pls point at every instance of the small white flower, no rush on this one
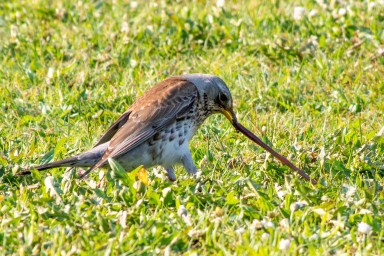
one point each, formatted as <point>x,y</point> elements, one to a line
<point>49,187</point>
<point>263,130</point>
<point>123,218</point>
<point>285,244</point>
<point>14,31</point>
<point>96,14</point>
<point>298,12</point>
<point>314,237</point>
<point>139,202</point>
<point>101,174</point>
<point>371,6</point>
<point>182,211</point>
<point>49,75</point>
<point>364,228</point>
<point>324,198</point>
<point>294,207</point>
<point>351,190</point>
<point>325,234</point>
<point>256,224</point>
<point>150,28</point>
<point>313,13</point>
<point>319,211</point>
<point>280,192</point>
<point>267,224</point>
<point>124,27</point>
<point>92,184</point>
<point>297,205</point>
<point>342,11</point>
<point>165,191</point>
<point>365,211</point>
<point>210,18</point>
<point>284,223</point>
<point>265,236</point>
<point>136,185</point>
<point>134,4</point>
<point>220,3</point>
<point>50,72</point>
<point>133,63</point>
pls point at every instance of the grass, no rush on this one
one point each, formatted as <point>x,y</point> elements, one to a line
<point>312,88</point>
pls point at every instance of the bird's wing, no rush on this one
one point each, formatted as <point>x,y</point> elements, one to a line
<point>156,109</point>
<point>107,136</point>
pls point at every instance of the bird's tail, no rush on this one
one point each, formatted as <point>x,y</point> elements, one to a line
<point>71,161</point>
<point>86,159</point>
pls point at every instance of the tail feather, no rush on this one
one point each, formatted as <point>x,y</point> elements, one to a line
<point>68,162</point>
<point>86,159</point>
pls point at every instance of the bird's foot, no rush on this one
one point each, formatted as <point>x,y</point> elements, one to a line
<point>171,174</point>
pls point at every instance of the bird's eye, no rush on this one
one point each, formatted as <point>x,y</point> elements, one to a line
<point>223,97</point>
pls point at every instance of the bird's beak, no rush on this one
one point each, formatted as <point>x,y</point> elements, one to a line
<point>230,115</point>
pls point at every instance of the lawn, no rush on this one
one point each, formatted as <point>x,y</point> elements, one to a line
<point>306,76</point>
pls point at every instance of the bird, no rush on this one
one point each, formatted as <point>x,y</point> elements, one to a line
<point>157,128</point>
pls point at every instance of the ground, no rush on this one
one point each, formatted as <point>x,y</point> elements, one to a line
<point>306,76</point>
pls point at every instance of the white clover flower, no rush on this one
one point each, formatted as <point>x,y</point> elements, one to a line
<point>285,244</point>
<point>139,202</point>
<point>364,228</point>
<point>220,3</point>
<point>101,175</point>
<point>263,130</point>
<point>325,234</point>
<point>284,223</point>
<point>313,13</point>
<point>134,4</point>
<point>92,184</point>
<point>265,236</point>
<point>50,72</point>
<point>319,211</point>
<point>314,237</point>
<point>280,192</point>
<point>122,217</point>
<point>298,13</point>
<point>183,213</point>
<point>365,211</point>
<point>133,63</point>
<point>124,27</point>
<point>267,224</point>
<point>294,207</point>
<point>324,198</point>
<point>256,224</point>
<point>49,187</point>
<point>165,191</point>
<point>342,11</point>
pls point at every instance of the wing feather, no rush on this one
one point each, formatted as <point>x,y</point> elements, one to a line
<point>114,128</point>
<point>156,109</point>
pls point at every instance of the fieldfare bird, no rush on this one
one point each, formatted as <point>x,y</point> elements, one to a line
<point>157,128</point>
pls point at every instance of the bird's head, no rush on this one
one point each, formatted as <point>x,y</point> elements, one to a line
<point>215,93</point>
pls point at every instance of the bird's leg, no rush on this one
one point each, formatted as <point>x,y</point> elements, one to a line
<point>188,163</point>
<point>171,174</point>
